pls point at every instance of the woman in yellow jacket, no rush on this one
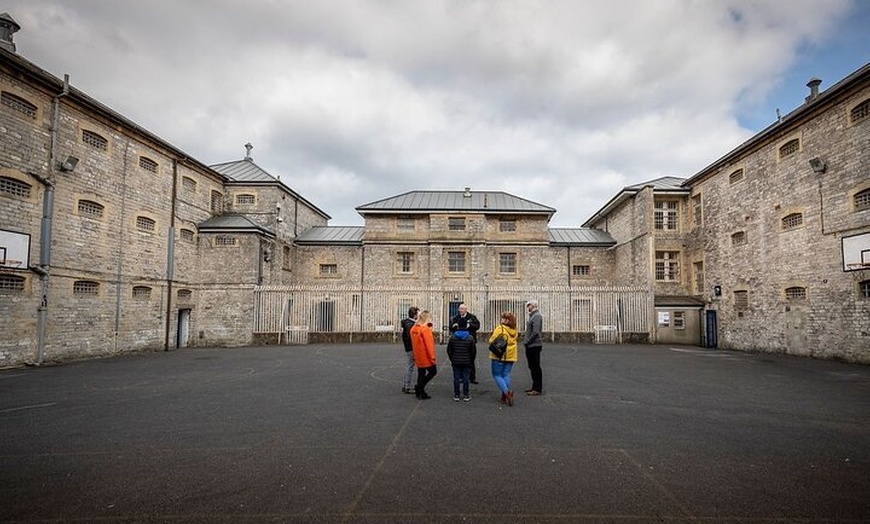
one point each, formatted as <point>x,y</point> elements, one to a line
<point>501,367</point>
<point>423,344</point>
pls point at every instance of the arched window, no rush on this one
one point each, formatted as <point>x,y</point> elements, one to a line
<point>860,111</point>
<point>796,293</point>
<point>11,186</point>
<point>85,288</point>
<point>95,140</point>
<point>91,209</point>
<point>145,224</point>
<point>789,148</point>
<point>147,164</point>
<point>862,200</point>
<point>735,176</point>
<point>792,221</point>
<point>11,283</point>
<point>16,103</point>
<point>141,292</point>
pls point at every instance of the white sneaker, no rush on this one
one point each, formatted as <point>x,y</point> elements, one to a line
<point>466,399</point>
<point>455,399</point>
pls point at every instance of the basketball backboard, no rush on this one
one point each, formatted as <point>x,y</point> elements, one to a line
<point>856,252</point>
<point>14,250</point>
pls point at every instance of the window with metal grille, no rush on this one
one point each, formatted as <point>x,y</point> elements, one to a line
<point>145,224</point>
<point>507,225</point>
<point>184,294</point>
<point>789,148</point>
<point>405,224</point>
<point>860,111</point>
<point>328,269</point>
<point>287,262</point>
<point>217,202</point>
<point>186,235</point>
<point>95,140</point>
<point>738,238</point>
<point>679,320</point>
<point>13,283</point>
<point>697,210</point>
<point>796,293</point>
<point>245,199</point>
<point>84,288</point>
<point>224,240</point>
<point>581,270</point>
<point>91,209</point>
<point>18,104</point>
<point>741,300</point>
<point>456,224</point>
<point>667,266</point>
<point>864,289</point>
<point>735,176</point>
<point>792,221</point>
<point>405,261</point>
<point>141,292</point>
<point>862,200</point>
<point>666,214</point>
<point>13,187</point>
<point>147,164</point>
<point>188,184</point>
<point>456,261</point>
<point>698,270</point>
<point>507,263</point>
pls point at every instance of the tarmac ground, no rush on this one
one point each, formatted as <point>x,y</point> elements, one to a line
<point>323,434</point>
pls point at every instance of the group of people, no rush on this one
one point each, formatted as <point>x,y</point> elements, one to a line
<point>418,338</point>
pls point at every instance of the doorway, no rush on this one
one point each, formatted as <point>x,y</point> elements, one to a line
<point>183,338</point>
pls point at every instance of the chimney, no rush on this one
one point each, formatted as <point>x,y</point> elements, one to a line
<point>8,27</point>
<point>467,193</point>
<point>248,148</point>
<point>813,84</point>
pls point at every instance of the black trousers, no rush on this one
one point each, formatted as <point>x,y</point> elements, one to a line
<point>533,356</point>
<point>424,375</point>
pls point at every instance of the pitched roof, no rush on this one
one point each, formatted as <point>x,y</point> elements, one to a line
<point>665,184</point>
<point>332,235</point>
<point>677,301</point>
<point>458,201</point>
<point>232,223</point>
<point>582,236</point>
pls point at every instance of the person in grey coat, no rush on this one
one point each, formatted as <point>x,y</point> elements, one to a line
<point>533,341</point>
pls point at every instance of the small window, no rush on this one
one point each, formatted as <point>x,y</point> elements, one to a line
<point>405,261</point>
<point>90,209</point>
<point>666,214</point>
<point>141,292</point>
<point>145,224</point>
<point>456,261</point>
<point>83,288</point>
<point>95,140</point>
<point>796,293</point>
<point>581,270</point>
<point>188,184</point>
<point>736,176</point>
<point>456,224</point>
<point>18,104</point>
<point>405,224</point>
<point>680,320</point>
<point>507,225</point>
<point>667,266</point>
<point>864,289</point>
<point>328,269</point>
<point>11,283</point>
<point>11,186</point>
<point>245,200</point>
<point>507,263</point>
<point>861,200</point>
<point>698,270</point>
<point>792,221</point>
<point>697,211</point>
<point>738,238</point>
<point>224,240</point>
<point>741,300</point>
<point>184,294</point>
<point>217,202</point>
<point>789,148</point>
<point>186,234</point>
<point>287,262</point>
<point>147,164</point>
<point>860,112</point>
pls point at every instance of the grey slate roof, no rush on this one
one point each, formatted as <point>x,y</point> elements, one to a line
<point>232,223</point>
<point>456,201</point>
<point>665,184</point>
<point>677,301</point>
<point>332,235</point>
<point>579,237</point>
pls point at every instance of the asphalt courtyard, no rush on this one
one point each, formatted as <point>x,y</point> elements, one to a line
<point>323,434</point>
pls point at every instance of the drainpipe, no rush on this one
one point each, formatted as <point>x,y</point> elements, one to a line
<point>170,255</point>
<point>120,256</point>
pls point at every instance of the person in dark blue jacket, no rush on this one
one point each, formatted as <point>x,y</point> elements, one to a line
<point>408,376</point>
<point>462,351</point>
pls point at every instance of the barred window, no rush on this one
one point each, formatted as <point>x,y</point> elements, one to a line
<point>456,223</point>
<point>141,292</point>
<point>328,269</point>
<point>11,186</point>
<point>792,221</point>
<point>796,293</point>
<point>667,266</point>
<point>507,225</point>
<point>864,289</point>
<point>217,202</point>
<point>581,270</point>
<point>679,320</point>
<point>741,300</point>
<point>145,224</point>
<point>666,214</point>
<point>698,270</point>
<point>147,164</point>
<point>83,288</point>
<point>405,261</point>
<point>697,210</point>
<point>736,176</point>
<point>738,238</point>
<point>456,261</point>
<point>860,112</point>
<point>14,283</point>
<point>287,262</point>
<point>405,224</point>
<point>789,148</point>
<point>184,294</point>
<point>16,103</point>
<point>507,263</point>
<point>91,209</point>
<point>245,199</point>
<point>95,140</point>
<point>186,235</point>
<point>188,184</point>
<point>862,200</point>
<point>223,240</point>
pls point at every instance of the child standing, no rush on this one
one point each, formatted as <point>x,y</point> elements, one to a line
<point>462,351</point>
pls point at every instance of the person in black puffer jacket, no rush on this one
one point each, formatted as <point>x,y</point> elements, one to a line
<point>407,324</point>
<point>462,352</point>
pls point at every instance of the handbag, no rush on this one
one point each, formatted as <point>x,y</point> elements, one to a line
<point>498,347</point>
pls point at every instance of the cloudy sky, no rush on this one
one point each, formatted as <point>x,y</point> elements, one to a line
<point>351,101</point>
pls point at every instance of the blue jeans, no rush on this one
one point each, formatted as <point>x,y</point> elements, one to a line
<point>461,376</point>
<point>501,373</point>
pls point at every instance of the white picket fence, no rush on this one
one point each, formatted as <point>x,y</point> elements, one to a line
<point>293,312</point>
